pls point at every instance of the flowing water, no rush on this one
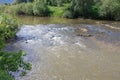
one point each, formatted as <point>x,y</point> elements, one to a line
<point>57,51</point>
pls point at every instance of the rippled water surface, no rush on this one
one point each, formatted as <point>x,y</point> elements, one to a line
<point>57,52</point>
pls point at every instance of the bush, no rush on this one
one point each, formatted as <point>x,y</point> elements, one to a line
<point>18,9</point>
<point>95,11</point>
<point>22,9</point>
<point>68,14</point>
<point>19,1</point>
<point>8,27</point>
<point>9,61</point>
<point>2,8</point>
<point>5,76</point>
<point>80,8</point>
<point>56,11</point>
<point>28,9</point>
<point>110,9</point>
<point>40,8</point>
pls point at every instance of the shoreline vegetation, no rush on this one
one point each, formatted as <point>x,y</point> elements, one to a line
<point>10,62</point>
<point>90,9</point>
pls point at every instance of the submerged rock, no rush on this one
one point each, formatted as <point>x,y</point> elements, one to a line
<point>85,35</point>
<point>83,32</point>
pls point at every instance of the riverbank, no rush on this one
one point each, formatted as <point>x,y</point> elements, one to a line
<point>65,8</point>
<point>10,62</point>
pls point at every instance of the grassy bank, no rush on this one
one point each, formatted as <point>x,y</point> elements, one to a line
<point>10,61</point>
<point>95,9</point>
<point>27,9</point>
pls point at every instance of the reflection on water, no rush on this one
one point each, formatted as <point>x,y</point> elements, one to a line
<point>57,53</point>
<point>56,20</point>
<point>51,20</point>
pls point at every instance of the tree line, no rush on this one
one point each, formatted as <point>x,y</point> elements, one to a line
<point>97,9</point>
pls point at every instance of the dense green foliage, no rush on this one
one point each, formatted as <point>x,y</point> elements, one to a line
<point>56,2</point>
<point>28,9</point>
<point>4,75</point>
<point>57,11</point>
<point>80,8</point>
<point>23,8</point>
<point>110,9</point>
<point>10,61</point>
<point>97,9</point>
<point>40,8</point>
<point>19,1</point>
<point>8,27</point>
<point>100,9</point>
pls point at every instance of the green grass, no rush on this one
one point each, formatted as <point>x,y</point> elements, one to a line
<point>18,9</point>
<point>58,11</point>
<point>4,75</point>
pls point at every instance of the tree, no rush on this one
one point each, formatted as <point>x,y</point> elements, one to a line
<point>19,1</point>
<point>30,0</point>
<point>55,2</point>
<point>59,3</point>
<point>40,8</point>
<point>81,8</point>
<point>110,9</point>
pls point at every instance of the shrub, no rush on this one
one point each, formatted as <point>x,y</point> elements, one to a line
<point>18,9</point>
<point>2,8</point>
<point>80,8</point>
<point>40,8</point>
<point>10,61</point>
<point>56,11</point>
<point>110,9</point>
<point>95,11</point>
<point>5,76</point>
<point>19,1</point>
<point>28,9</point>
<point>8,27</point>
<point>22,8</point>
<point>68,14</point>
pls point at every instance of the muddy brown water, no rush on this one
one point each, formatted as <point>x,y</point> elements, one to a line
<point>57,52</point>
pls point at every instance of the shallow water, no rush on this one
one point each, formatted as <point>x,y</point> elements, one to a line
<point>56,20</point>
<point>58,53</point>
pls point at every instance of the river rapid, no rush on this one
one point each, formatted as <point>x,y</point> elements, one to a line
<point>74,50</point>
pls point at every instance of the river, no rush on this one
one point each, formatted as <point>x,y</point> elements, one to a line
<point>69,49</point>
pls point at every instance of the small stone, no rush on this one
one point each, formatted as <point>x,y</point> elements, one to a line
<point>26,41</point>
